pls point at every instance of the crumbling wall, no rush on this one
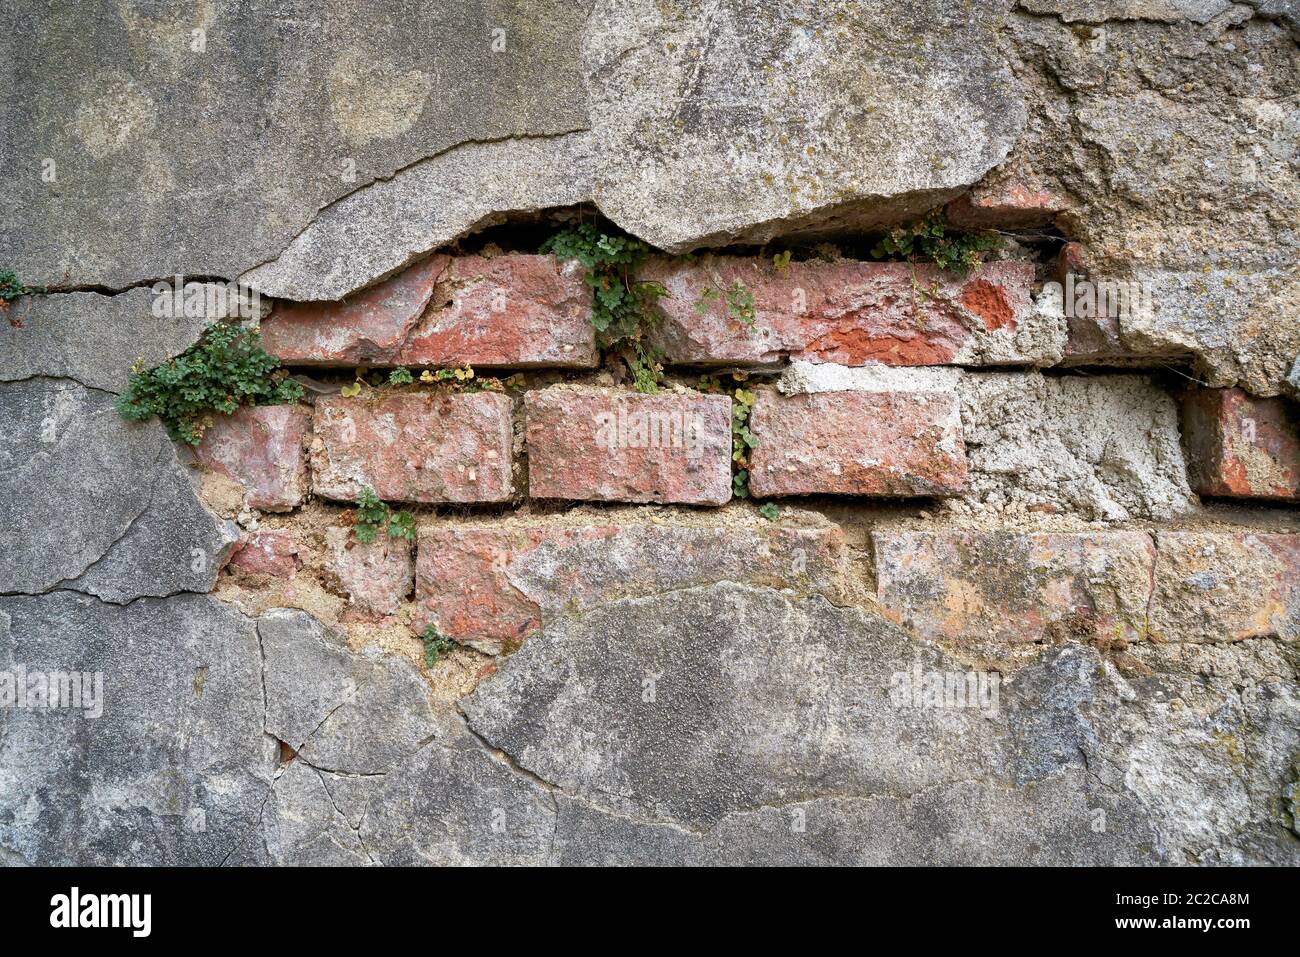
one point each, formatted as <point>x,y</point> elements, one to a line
<point>1007,577</point>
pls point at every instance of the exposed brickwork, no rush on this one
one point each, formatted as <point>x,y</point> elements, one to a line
<point>511,310</point>
<point>978,586</point>
<point>273,552</point>
<point>368,328</point>
<point>490,586</point>
<point>417,447</point>
<point>602,445</point>
<point>261,447</point>
<point>1226,586</point>
<point>377,575</point>
<point>852,313</point>
<point>1008,205</point>
<point>1241,446</point>
<point>857,443</point>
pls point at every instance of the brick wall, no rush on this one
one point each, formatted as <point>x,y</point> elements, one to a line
<point>891,426</point>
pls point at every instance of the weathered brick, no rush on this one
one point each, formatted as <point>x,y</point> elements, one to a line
<point>262,448</point>
<point>515,311</point>
<point>492,586</point>
<point>1009,204</point>
<point>857,443</point>
<point>1213,586</point>
<point>995,586</point>
<point>851,313</point>
<point>512,310</point>
<point>1241,446</point>
<point>271,552</point>
<point>603,445</point>
<point>377,575</point>
<point>367,329</point>
<point>418,447</point>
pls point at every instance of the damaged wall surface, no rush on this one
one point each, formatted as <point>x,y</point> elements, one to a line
<point>1002,582</point>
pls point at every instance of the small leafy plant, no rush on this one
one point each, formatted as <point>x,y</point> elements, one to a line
<point>400,376</point>
<point>225,369</point>
<point>623,308</point>
<point>435,645</point>
<point>769,511</point>
<point>374,516</point>
<point>932,238</point>
<point>11,288</point>
<point>740,302</point>
<point>742,439</point>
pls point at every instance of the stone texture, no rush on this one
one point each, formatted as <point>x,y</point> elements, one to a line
<point>176,768</point>
<point>492,587</point>
<point>1104,447</point>
<point>986,587</point>
<point>96,504</point>
<point>347,99</point>
<point>417,447</point>
<point>340,711</point>
<point>596,444</point>
<point>263,448</point>
<point>835,776</point>
<point>273,552</point>
<point>1240,446</point>
<point>1226,586</point>
<point>512,310</point>
<point>857,443</point>
<point>92,338</point>
<point>692,113</point>
<point>377,576</point>
<point>851,313</point>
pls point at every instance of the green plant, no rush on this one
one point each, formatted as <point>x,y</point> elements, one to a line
<point>374,516</point>
<point>931,238</point>
<point>225,369</point>
<point>624,309</point>
<point>769,511</point>
<point>742,439</point>
<point>740,302</point>
<point>400,376</point>
<point>11,288</point>
<point>435,645</point>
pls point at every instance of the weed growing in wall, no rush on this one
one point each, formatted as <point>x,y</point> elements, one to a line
<point>227,368</point>
<point>435,646</point>
<point>374,516</point>
<point>742,440</point>
<point>932,238</point>
<point>11,288</point>
<point>623,308</point>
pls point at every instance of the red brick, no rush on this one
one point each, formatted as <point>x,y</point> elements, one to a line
<point>976,586</point>
<point>857,443</point>
<point>1225,586</point>
<point>367,329</point>
<point>851,313</point>
<point>1241,446</point>
<point>492,586</point>
<point>1009,205</point>
<point>262,448</point>
<point>603,445</point>
<point>377,575</point>
<point>513,311</point>
<point>417,447</point>
<point>268,552</point>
